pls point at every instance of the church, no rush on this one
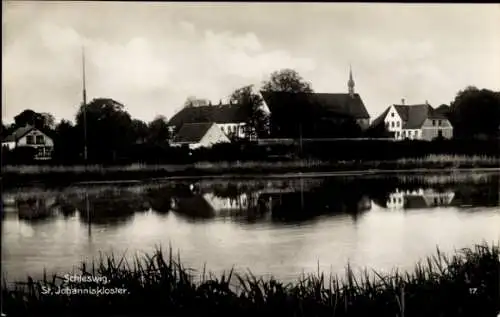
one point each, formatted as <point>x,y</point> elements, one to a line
<point>316,114</point>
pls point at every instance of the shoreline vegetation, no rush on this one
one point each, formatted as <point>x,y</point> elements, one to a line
<point>21,174</point>
<point>463,284</point>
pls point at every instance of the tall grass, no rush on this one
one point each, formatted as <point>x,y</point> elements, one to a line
<point>455,159</point>
<point>464,284</point>
<point>430,161</point>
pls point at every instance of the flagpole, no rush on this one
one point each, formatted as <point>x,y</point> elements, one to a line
<point>84,107</point>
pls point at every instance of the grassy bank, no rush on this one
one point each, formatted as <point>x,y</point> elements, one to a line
<point>465,284</point>
<point>19,174</point>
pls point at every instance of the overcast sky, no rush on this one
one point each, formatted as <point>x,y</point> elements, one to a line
<point>152,56</point>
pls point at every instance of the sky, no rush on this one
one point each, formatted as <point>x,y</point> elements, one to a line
<point>152,56</point>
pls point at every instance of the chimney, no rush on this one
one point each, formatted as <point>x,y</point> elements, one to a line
<point>210,102</point>
<point>220,102</point>
<point>403,101</point>
<point>427,102</point>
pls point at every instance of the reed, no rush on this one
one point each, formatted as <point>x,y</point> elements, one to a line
<point>227,166</point>
<point>464,284</point>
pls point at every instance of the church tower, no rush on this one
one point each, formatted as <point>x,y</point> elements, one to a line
<point>350,83</point>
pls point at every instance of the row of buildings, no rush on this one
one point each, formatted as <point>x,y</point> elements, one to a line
<point>202,125</point>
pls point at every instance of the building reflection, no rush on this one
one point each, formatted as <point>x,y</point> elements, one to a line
<point>419,198</point>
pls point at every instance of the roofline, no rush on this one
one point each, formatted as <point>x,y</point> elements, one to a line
<point>31,128</point>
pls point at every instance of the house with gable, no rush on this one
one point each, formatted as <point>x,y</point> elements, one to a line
<point>320,107</point>
<point>199,135</point>
<point>229,118</point>
<point>415,122</point>
<point>29,136</point>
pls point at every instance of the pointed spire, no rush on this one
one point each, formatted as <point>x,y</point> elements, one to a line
<point>350,83</point>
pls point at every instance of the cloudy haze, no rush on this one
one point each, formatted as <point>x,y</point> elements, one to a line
<point>152,56</point>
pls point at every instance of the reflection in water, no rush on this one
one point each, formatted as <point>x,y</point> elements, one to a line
<point>419,198</point>
<point>278,226</point>
<point>283,199</point>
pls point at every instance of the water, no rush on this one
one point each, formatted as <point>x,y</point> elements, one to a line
<point>279,227</point>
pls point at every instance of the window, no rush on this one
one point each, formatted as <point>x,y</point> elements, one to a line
<point>411,133</point>
<point>392,124</point>
<point>433,122</point>
<point>439,122</point>
<point>222,127</point>
<point>40,139</point>
<point>29,139</point>
<point>392,114</point>
<point>397,123</point>
<point>397,134</point>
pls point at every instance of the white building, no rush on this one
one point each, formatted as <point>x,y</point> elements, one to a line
<point>415,122</point>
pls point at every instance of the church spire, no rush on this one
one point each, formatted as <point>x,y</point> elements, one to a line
<point>350,83</point>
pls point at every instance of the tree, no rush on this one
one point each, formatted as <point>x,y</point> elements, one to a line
<point>108,128</point>
<point>257,119</point>
<point>139,130</point>
<point>192,101</point>
<point>475,113</point>
<point>4,131</point>
<point>65,147</point>
<point>38,120</point>
<point>287,80</point>
<point>49,120</point>
<point>158,130</point>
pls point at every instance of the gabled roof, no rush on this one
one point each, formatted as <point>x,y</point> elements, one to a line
<point>18,133</point>
<point>233,113</point>
<point>341,104</point>
<point>192,132</point>
<point>380,119</point>
<point>413,116</point>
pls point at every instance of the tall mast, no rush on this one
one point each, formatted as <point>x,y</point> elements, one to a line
<point>84,108</point>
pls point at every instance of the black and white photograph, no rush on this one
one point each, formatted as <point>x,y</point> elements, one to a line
<point>300,159</point>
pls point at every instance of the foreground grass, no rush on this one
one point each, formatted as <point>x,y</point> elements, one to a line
<point>465,284</point>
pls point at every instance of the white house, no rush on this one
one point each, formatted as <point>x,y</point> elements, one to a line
<point>419,122</point>
<point>29,136</point>
<point>198,135</point>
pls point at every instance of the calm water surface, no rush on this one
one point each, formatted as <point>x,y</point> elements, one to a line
<point>279,227</point>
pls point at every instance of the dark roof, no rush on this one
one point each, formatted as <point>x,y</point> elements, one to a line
<point>18,133</point>
<point>341,104</point>
<point>380,119</point>
<point>192,132</point>
<point>414,115</point>
<point>415,202</point>
<point>233,113</point>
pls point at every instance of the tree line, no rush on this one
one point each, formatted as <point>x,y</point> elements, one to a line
<point>112,133</point>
